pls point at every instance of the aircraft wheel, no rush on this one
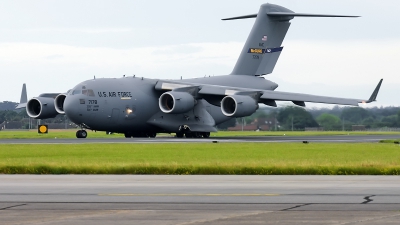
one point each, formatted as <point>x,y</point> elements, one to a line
<point>179,135</point>
<point>81,134</point>
<point>206,134</point>
<point>152,135</point>
<point>197,134</point>
<point>128,135</point>
<point>189,135</point>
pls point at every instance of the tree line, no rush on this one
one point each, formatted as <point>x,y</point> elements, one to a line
<point>336,118</point>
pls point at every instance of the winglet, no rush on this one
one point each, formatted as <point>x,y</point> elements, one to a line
<point>375,93</point>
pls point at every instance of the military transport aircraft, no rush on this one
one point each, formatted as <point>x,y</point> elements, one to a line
<point>140,107</point>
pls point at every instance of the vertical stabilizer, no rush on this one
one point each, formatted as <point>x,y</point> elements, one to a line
<point>24,98</point>
<point>263,46</point>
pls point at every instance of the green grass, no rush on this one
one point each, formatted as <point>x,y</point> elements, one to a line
<point>197,158</point>
<point>24,134</point>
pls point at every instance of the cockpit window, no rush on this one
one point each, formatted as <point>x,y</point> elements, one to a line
<point>88,92</point>
<point>75,92</point>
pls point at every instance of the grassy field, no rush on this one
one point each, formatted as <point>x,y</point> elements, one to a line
<point>200,158</point>
<point>24,134</point>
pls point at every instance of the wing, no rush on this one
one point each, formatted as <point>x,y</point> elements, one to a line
<point>215,93</point>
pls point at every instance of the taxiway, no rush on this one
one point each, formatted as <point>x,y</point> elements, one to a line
<point>153,199</point>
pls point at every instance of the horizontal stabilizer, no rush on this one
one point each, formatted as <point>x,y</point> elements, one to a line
<point>277,14</point>
<point>273,14</point>
<point>241,17</point>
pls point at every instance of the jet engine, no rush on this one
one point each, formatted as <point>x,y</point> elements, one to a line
<point>238,105</point>
<point>41,108</point>
<point>176,102</point>
<point>59,103</point>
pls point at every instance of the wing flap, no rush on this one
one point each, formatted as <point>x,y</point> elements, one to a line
<point>297,97</point>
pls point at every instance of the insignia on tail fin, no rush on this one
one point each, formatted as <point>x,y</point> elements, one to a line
<point>263,46</point>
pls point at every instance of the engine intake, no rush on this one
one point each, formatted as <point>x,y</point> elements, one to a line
<point>41,108</point>
<point>176,102</point>
<point>238,105</point>
<point>59,103</point>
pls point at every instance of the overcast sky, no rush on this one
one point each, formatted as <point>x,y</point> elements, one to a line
<point>53,45</point>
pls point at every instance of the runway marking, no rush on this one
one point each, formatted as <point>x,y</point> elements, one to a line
<point>131,194</point>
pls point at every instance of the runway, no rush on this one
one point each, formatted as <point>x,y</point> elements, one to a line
<point>153,199</point>
<point>325,139</point>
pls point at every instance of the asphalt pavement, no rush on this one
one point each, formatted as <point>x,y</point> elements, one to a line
<point>154,199</point>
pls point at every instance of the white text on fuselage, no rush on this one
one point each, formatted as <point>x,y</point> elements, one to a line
<point>113,94</point>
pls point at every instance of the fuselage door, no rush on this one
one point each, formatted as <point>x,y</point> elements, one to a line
<point>114,116</point>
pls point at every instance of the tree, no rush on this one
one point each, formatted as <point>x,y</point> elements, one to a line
<point>355,114</point>
<point>329,121</point>
<point>389,121</point>
<point>300,117</point>
<point>398,118</point>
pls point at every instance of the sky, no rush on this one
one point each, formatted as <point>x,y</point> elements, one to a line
<point>54,45</point>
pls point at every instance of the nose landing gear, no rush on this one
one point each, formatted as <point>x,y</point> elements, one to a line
<point>81,134</point>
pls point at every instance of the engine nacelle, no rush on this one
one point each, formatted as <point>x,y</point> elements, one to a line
<point>41,108</point>
<point>59,103</point>
<point>176,102</point>
<point>238,105</point>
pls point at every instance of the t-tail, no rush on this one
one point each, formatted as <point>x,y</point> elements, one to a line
<point>263,46</point>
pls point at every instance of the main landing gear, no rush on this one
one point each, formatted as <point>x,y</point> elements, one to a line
<point>144,135</point>
<point>193,134</point>
<point>81,134</point>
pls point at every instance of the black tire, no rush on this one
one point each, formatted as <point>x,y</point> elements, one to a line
<point>206,134</point>
<point>79,134</point>
<point>152,135</point>
<point>128,135</point>
<point>189,135</point>
<point>197,134</point>
<point>179,135</point>
<point>83,134</point>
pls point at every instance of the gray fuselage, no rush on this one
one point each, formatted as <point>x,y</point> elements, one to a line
<point>130,104</point>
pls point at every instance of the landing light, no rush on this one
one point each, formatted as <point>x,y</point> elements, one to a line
<point>129,111</point>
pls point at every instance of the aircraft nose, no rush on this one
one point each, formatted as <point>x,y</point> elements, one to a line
<point>71,108</point>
